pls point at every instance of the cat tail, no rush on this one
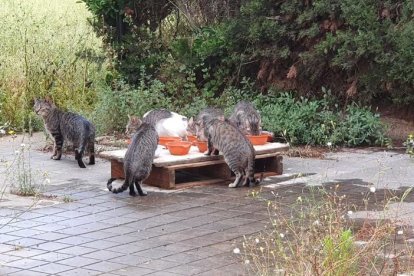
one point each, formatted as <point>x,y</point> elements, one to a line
<point>127,182</point>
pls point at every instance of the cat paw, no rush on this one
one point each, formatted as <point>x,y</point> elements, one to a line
<point>55,157</point>
<point>232,185</point>
<point>132,193</point>
<point>81,164</point>
<point>143,193</point>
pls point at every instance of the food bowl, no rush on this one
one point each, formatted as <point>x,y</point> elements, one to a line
<point>269,135</point>
<point>201,145</point>
<point>192,138</point>
<point>258,139</point>
<point>163,140</point>
<point>179,147</point>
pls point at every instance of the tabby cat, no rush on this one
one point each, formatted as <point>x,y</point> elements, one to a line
<point>138,160</point>
<point>237,150</point>
<point>206,113</point>
<point>246,118</point>
<point>67,126</point>
<point>166,123</point>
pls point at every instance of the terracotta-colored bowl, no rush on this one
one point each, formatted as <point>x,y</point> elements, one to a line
<point>179,147</point>
<point>163,140</point>
<point>202,146</point>
<point>258,139</point>
<point>192,138</point>
<point>269,135</point>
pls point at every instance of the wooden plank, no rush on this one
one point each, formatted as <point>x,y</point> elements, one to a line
<point>161,177</point>
<point>164,158</point>
<point>117,169</point>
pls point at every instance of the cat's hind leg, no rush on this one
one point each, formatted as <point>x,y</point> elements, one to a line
<point>78,156</point>
<point>91,150</point>
<point>141,192</point>
<point>237,181</point>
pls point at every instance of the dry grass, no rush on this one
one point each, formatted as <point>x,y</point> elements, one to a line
<point>314,236</point>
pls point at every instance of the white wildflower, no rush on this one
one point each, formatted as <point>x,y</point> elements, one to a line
<point>256,240</point>
<point>282,235</point>
<point>350,213</point>
<point>329,144</point>
<point>2,131</point>
<point>236,250</point>
<point>372,189</point>
<point>247,262</point>
<point>400,232</point>
<point>47,181</point>
<point>299,199</point>
<point>316,222</point>
<point>22,145</point>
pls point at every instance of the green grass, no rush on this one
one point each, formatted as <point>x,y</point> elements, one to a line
<point>46,48</point>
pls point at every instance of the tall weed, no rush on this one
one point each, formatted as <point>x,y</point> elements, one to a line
<point>46,48</point>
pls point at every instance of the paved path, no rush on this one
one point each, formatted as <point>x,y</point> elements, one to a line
<point>79,228</point>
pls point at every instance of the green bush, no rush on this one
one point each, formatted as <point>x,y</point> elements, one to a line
<point>319,122</point>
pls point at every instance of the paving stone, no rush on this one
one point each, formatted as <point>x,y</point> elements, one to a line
<point>78,261</point>
<point>76,240</point>
<point>103,255</point>
<point>182,258</point>
<point>79,272</point>
<point>5,258</point>
<point>52,256</point>
<point>130,260</point>
<point>25,252</point>
<point>158,265</point>
<point>52,268</point>
<point>100,244</point>
<point>76,250</point>
<point>7,270</point>
<point>26,263</point>
<point>52,246</point>
<point>6,238</point>
<point>186,270</point>
<point>133,271</point>
<point>25,242</point>
<point>105,266</point>
<point>51,236</point>
<point>28,273</point>
<point>162,273</point>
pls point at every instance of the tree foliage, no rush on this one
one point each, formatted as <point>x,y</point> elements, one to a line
<point>361,50</point>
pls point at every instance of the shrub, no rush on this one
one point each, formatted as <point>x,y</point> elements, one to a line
<point>319,122</point>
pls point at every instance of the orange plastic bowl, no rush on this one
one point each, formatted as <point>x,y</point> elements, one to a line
<point>192,138</point>
<point>163,140</point>
<point>202,146</point>
<point>179,147</point>
<point>258,139</point>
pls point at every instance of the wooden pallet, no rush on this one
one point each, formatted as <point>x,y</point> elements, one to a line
<point>194,169</point>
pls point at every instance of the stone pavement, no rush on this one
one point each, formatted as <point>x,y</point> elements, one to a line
<point>77,227</point>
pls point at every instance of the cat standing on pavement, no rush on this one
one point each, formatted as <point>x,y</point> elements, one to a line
<point>237,150</point>
<point>246,118</point>
<point>67,126</point>
<point>138,160</point>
